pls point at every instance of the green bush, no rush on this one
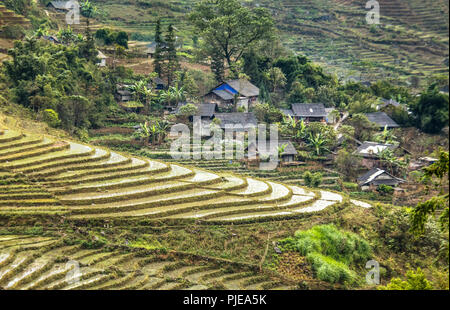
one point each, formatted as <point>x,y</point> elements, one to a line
<point>51,118</point>
<point>351,186</point>
<point>385,189</point>
<point>12,32</point>
<point>329,251</point>
<point>330,270</point>
<point>312,180</point>
<point>415,280</point>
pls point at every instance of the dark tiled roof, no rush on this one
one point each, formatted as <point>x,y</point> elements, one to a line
<point>223,94</point>
<point>381,119</point>
<point>61,5</point>
<point>287,112</point>
<point>373,177</point>
<point>243,119</point>
<point>244,87</point>
<point>373,149</point>
<point>207,109</point>
<point>309,110</point>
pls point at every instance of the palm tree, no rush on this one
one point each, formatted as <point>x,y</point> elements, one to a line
<point>318,142</point>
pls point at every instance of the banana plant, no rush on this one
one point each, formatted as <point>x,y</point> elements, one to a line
<point>386,136</point>
<point>317,142</point>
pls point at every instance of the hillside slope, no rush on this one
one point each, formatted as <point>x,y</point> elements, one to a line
<point>411,41</point>
<point>47,176</point>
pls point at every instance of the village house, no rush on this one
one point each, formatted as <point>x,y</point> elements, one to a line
<point>370,152</point>
<point>158,83</point>
<point>151,49</point>
<point>308,112</point>
<point>288,156</point>
<point>59,6</point>
<point>375,177</point>
<point>224,95</point>
<point>382,120</point>
<point>237,121</point>
<point>205,111</point>
<point>386,103</point>
<point>123,93</point>
<point>422,162</point>
<point>102,58</point>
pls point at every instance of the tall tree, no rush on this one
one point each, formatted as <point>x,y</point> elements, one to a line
<point>229,28</point>
<point>217,66</point>
<point>158,62</point>
<point>172,64</point>
<point>431,110</point>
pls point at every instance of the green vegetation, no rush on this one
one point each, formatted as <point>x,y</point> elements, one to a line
<point>330,251</point>
<point>415,280</point>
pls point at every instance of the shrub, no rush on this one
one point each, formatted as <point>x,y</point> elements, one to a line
<point>415,280</point>
<point>51,118</point>
<point>12,32</point>
<point>351,186</point>
<point>329,251</point>
<point>385,189</point>
<point>312,180</point>
<point>330,270</point>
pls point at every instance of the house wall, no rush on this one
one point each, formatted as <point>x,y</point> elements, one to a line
<point>222,104</point>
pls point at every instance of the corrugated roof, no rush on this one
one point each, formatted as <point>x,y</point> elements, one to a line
<point>309,110</point>
<point>244,87</point>
<point>382,119</point>
<point>373,149</point>
<point>61,5</point>
<point>101,55</point>
<point>371,176</point>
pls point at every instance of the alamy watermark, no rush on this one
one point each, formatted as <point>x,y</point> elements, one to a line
<point>73,14</point>
<point>373,16</point>
<point>373,276</point>
<point>228,142</point>
<point>74,274</point>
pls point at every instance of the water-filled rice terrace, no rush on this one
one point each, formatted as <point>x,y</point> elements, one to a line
<point>44,176</point>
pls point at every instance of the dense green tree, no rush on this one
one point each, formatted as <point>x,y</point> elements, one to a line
<point>172,64</point>
<point>431,111</point>
<point>158,58</point>
<point>428,208</point>
<point>217,66</point>
<point>364,129</point>
<point>228,27</point>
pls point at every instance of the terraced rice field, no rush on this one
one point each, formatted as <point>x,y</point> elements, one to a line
<point>44,176</point>
<point>46,263</point>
